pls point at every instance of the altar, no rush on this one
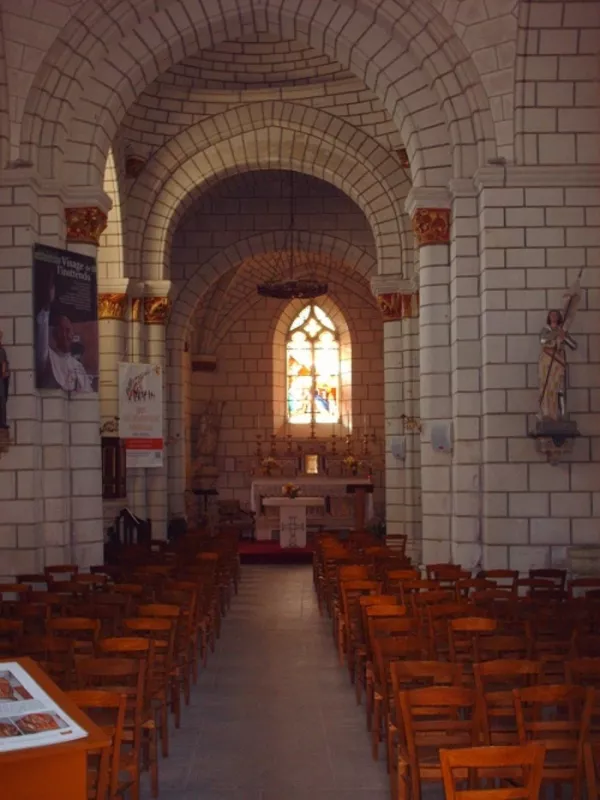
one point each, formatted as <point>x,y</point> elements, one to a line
<point>341,502</point>
<point>292,517</point>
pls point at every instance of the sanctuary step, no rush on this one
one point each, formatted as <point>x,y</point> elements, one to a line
<point>270,552</point>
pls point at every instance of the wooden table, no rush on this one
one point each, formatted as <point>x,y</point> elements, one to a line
<point>50,772</point>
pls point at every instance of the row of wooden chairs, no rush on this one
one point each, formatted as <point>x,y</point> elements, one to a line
<point>450,660</point>
<point>128,667</point>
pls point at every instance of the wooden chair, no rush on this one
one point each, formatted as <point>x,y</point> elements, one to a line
<point>107,710</point>
<point>465,587</point>
<point>518,767</point>
<point>371,606</point>
<point>83,631</point>
<point>557,576</point>
<point>495,681</point>
<point>414,675</point>
<point>591,758</point>
<point>464,634</point>
<point>164,687</point>
<point>351,592</point>
<point>55,654</point>
<point>586,672</point>
<point>432,718</point>
<point>503,578</point>
<point>142,650</point>
<point>127,677</point>
<point>10,632</point>
<point>435,624</point>
<point>496,646</point>
<point>558,717</point>
<point>58,572</point>
<point>387,651</point>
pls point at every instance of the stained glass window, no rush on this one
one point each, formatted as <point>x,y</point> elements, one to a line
<point>313,368</point>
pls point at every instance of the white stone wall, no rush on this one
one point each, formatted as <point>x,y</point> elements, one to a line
<point>455,82</point>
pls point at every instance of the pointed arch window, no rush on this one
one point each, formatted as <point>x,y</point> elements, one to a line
<point>313,368</point>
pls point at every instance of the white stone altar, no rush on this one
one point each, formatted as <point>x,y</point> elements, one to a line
<point>336,507</point>
<point>292,518</point>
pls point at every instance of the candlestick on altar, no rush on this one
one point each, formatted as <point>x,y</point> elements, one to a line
<point>333,444</point>
<point>365,444</point>
<point>289,443</point>
<point>349,444</point>
<point>312,428</point>
<point>273,444</point>
<point>258,445</point>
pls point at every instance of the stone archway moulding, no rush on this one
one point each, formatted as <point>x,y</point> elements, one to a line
<point>399,50</point>
<point>191,292</point>
<point>266,136</point>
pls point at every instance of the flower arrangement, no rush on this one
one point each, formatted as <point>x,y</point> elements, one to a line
<point>352,463</point>
<point>268,464</point>
<point>290,490</point>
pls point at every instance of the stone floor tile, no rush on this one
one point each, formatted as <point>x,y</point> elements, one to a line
<point>273,716</point>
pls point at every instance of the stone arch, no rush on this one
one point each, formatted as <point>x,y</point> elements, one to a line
<point>360,168</point>
<point>337,253</point>
<point>403,52</point>
<point>353,261</point>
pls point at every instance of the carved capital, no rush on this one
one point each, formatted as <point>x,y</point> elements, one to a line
<point>112,305</point>
<point>398,305</point>
<point>136,309</point>
<point>431,226</point>
<point>85,225</point>
<point>156,310</point>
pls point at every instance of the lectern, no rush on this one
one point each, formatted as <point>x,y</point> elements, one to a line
<point>49,771</point>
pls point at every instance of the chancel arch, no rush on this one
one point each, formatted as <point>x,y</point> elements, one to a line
<point>269,135</point>
<point>399,53</point>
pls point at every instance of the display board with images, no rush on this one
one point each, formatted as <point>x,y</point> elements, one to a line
<point>28,716</point>
<point>65,292</point>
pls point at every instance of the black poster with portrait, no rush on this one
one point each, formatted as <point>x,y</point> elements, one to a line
<point>65,316</point>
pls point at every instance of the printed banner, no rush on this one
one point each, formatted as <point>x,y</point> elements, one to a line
<point>141,413</point>
<point>65,295</point>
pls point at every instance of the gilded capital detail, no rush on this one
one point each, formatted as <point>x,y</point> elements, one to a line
<point>398,305</point>
<point>156,310</point>
<point>112,305</point>
<point>85,225</point>
<point>431,226</point>
<point>136,309</point>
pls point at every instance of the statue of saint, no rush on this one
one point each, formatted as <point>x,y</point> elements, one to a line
<point>4,382</point>
<point>553,367</point>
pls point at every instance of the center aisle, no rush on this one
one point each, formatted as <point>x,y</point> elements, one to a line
<point>273,716</point>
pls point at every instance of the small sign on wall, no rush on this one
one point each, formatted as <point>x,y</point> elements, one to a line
<point>141,414</point>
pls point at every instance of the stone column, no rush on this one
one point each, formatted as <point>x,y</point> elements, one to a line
<point>399,303</point>
<point>430,213</point>
<point>156,306</point>
<point>136,352</point>
<point>84,225</point>
<point>113,304</point>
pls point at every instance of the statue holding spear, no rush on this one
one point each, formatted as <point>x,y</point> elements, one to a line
<point>555,339</point>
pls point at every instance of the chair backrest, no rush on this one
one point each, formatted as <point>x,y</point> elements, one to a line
<point>438,716</point>
<point>495,681</point>
<point>464,634</point>
<point>501,577</point>
<point>591,755</point>
<point>521,764</point>
<point>557,715</point>
<point>111,706</point>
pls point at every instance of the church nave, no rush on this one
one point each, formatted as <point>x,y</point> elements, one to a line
<point>273,715</point>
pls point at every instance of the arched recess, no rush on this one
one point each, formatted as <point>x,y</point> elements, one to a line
<point>275,136</point>
<point>404,52</point>
<point>353,264</point>
<point>111,256</point>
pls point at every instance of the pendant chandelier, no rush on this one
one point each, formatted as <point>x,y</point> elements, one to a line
<point>291,288</point>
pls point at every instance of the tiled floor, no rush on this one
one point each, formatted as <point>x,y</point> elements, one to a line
<point>273,716</point>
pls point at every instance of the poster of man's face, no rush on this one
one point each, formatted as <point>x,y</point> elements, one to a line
<point>65,320</point>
